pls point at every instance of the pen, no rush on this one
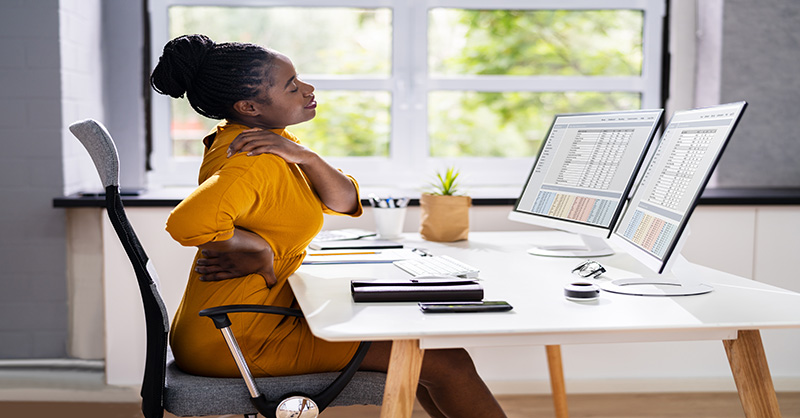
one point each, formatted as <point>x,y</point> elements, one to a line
<point>353,253</point>
<point>421,252</point>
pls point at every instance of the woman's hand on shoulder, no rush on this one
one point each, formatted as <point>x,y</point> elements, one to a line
<point>258,141</point>
<point>335,189</point>
<point>216,265</point>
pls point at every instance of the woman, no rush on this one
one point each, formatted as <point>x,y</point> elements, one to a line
<point>252,217</point>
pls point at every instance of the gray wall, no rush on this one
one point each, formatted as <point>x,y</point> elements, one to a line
<point>760,64</point>
<point>51,75</point>
<point>33,303</point>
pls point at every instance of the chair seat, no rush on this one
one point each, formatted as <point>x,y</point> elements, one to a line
<point>190,395</point>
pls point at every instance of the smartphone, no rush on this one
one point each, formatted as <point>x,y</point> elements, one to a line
<point>449,307</point>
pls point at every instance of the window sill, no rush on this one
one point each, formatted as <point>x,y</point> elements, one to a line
<point>480,197</point>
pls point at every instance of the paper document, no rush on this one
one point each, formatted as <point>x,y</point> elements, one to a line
<point>358,256</point>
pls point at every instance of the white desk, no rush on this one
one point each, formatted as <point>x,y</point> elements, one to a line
<point>733,313</point>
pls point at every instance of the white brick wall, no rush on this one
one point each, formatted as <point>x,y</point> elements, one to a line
<point>81,97</point>
<point>81,85</point>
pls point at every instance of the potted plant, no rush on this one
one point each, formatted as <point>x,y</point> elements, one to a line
<point>444,211</point>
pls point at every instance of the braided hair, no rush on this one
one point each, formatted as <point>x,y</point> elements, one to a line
<point>213,76</point>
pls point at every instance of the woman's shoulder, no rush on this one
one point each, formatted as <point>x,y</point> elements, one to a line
<point>260,168</point>
<point>216,159</point>
<point>288,135</point>
<point>225,132</point>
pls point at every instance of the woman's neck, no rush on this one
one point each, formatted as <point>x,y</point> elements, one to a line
<point>252,123</point>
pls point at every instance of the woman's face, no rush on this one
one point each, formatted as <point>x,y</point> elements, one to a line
<point>291,100</point>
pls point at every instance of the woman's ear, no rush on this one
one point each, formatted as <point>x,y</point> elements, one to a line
<point>245,108</point>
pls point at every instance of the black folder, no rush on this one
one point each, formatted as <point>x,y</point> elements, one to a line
<point>412,290</point>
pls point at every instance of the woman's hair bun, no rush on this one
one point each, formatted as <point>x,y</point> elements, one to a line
<point>180,63</point>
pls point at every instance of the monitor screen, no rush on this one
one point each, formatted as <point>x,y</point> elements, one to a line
<point>583,173</point>
<point>652,226</point>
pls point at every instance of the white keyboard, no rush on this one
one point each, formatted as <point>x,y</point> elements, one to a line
<point>436,265</point>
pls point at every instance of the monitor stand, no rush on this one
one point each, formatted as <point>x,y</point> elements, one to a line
<point>681,280</point>
<point>593,247</point>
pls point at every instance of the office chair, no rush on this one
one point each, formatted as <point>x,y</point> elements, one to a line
<point>165,386</point>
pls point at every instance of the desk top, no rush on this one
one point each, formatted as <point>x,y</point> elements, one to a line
<point>541,315</point>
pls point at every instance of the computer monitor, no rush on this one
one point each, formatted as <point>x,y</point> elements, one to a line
<point>582,175</point>
<point>653,227</point>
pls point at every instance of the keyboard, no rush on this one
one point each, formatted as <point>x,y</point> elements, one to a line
<point>436,265</point>
<point>342,234</point>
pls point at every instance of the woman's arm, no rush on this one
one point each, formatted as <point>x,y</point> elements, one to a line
<point>244,253</point>
<point>335,189</point>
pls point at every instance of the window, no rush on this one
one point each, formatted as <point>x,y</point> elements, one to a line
<point>407,87</point>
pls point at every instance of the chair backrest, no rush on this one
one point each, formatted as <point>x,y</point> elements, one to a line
<point>97,141</point>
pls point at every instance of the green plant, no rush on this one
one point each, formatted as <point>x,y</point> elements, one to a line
<point>446,184</point>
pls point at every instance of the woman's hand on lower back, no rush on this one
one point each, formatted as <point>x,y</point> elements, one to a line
<point>215,265</point>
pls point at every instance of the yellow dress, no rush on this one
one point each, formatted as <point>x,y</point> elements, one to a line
<point>268,196</point>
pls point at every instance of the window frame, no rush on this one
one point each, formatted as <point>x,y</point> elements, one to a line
<point>408,166</point>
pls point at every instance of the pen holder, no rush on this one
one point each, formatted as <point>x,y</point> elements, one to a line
<point>389,222</point>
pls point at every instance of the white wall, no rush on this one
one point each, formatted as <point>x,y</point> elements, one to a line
<point>81,97</point>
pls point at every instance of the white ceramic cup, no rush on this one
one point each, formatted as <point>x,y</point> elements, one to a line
<point>389,222</point>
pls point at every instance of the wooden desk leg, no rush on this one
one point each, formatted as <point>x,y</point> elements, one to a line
<point>751,373</point>
<point>557,386</point>
<point>402,377</point>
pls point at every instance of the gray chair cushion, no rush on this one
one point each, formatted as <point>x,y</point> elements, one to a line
<point>190,395</point>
